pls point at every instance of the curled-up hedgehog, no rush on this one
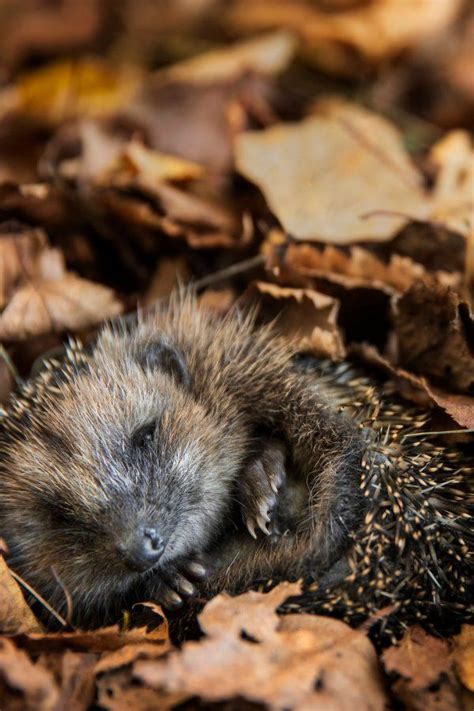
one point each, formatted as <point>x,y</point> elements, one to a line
<point>193,453</point>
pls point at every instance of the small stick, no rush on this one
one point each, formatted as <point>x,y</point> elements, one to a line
<point>38,597</point>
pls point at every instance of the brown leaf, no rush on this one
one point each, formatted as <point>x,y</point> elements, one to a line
<point>305,315</point>
<point>105,639</point>
<point>36,685</point>
<point>356,267</point>
<point>252,612</point>
<point>77,681</point>
<point>15,615</point>
<point>375,30</point>
<point>299,662</point>
<point>422,663</point>
<point>435,335</point>
<point>56,303</point>
<point>463,655</point>
<point>419,389</point>
<point>339,177</point>
<point>419,658</point>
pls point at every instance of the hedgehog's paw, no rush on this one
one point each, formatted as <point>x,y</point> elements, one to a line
<point>177,583</point>
<point>259,486</point>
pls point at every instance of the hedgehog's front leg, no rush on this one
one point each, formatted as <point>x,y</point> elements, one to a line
<point>258,487</point>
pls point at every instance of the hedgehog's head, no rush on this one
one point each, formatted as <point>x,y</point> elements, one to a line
<point>113,471</point>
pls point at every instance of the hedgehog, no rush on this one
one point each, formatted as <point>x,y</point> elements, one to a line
<point>193,453</point>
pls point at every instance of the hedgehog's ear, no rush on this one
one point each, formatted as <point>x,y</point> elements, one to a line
<point>163,355</point>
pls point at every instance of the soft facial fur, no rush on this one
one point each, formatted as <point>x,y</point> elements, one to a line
<point>159,425</point>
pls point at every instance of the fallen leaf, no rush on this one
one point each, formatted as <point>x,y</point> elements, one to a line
<point>453,192</point>
<point>375,30</point>
<point>435,335</point>
<point>419,389</point>
<point>353,267</point>
<point>77,681</point>
<point>252,613</point>
<point>423,667</point>
<point>16,616</point>
<point>70,88</point>
<point>307,662</point>
<point>268,54</point>
<point>66,303</point>
<point>36,685</point>
<point>305,315</point>
<point>340,176</point>
<point>463,655</point>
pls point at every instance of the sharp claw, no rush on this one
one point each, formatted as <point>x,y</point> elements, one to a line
<point>196,570</point>
<point>172,600</point>
<point>185,587</point>
<point>263,508</point>
<point>262,524</point>
<point>274,486</point>
<point>251,527</point>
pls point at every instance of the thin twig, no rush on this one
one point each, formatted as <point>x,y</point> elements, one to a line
<point>38,597</point>
<point>4,355</point>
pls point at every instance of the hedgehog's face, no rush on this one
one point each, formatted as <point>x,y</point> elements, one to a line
<point>122,473</point>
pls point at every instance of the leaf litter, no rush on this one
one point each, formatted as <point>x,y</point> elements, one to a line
<point>283,167</point>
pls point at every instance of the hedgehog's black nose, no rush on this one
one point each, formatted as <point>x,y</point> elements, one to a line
<point>143,549</point>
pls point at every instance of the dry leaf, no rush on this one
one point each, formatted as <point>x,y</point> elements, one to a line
<point>375,30</point>
<point>66,303</point>
<point>463,655</point>
<point>305,315</point>
<point>435,335</point>
<point>419,389</point>
<point>339,177</point>
<point>66,89</point>
<point>268,54</point>
<point>423,665</point>
<point>300,662</point>
<point>453,193</point>
<point>15,615</point>
<point>36,685</point>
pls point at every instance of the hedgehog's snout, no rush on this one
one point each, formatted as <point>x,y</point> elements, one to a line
<point>142,548</point>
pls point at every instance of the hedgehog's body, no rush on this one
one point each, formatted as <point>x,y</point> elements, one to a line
<point>120,467</point>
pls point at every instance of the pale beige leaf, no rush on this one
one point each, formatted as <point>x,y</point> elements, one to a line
<point>340,176</point>
<point>68,303</point>
<point>269,54</point>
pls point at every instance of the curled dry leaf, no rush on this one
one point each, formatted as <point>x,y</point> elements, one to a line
<point>435,335</point>
<point>305,315</point>
<point>36,685</point>
<point>375,30</point>
<point>66,303</point>
<point>340,176</point>
<point>298,662</point>
<point>15,615</point>
<point>67,89</point>
<point>269,54</point>
<point>463,655</point>
<point>354,267</point>
<point>419,389</point>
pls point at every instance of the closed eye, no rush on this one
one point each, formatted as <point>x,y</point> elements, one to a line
<point>144,436</point>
